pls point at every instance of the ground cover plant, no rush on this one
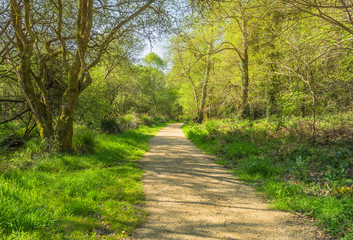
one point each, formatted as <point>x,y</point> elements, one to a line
<point>95,193</point>
<point>298,173</point>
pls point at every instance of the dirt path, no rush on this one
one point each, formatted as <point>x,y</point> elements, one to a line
<point>190,197</point>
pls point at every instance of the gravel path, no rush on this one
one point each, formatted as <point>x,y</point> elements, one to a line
<point>190,197</point>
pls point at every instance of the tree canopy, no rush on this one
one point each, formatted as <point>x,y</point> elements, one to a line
<point>240,58</point>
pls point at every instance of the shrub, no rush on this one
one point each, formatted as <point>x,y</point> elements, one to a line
<point>212,127</point>
<point>236,150</point>
<point>11,136</point>
<point>35,145</point>
<point>146,120</point>
<point>110,126</point>
<point>85,140</point>
<point>128,121</point>
<point>195,133</point>
<point>160,119</point>
<point>12,141</point>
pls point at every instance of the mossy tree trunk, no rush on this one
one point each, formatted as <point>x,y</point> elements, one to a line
<point>25,44</point>
<point>32,75</point>
<point>78,76</point>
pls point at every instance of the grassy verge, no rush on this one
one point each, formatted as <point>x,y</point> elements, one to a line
<point>311,177</point>
<point>84,196</point>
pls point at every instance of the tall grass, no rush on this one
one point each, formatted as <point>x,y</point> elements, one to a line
<point>85,140</point>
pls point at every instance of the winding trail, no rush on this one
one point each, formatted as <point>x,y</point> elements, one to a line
<point>190,197</point>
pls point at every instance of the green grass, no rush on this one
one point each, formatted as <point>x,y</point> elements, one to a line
<point>82,196</point>
<point>295,173</point>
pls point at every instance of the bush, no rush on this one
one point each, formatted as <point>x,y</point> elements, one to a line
<point>11,136</point>
<point>128,121</point>
<point>146,120</point>
<point>35,145</point>
<point>85,140</point>
<point>12,141</point>
<point>160,119</point>
<point>212,127</point>
<point>110,126</point>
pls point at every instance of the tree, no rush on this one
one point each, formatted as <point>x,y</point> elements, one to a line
<point>194,59</point>
<point>73,35</point>
<point>159,96</point>
<point>339,13</point>
<point>292,69</point>
<point>242,21</point>
<point>152,77</point>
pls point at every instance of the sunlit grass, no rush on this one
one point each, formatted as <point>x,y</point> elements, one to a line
<point>79,196</point>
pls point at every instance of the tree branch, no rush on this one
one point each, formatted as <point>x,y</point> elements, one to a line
<point>15,117</point>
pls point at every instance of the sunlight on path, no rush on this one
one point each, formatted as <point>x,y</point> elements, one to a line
<point>190,197</point>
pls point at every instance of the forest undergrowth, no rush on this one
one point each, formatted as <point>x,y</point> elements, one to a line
<point>94,193</point>
<point>313,177</point>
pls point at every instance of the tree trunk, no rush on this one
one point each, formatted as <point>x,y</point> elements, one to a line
<point>25,43</point>
<point>313,105</point>
<point>313,110</point>
<point>42,116</point>
<point>76,75</point>
<point>244,83</point>
<point>196,98</point>
<point>153,88</point>
<point>210,109</point>
<point>272,91</point>
<point>31,78</point>
<point>64,127</point>
<point>201,110</point>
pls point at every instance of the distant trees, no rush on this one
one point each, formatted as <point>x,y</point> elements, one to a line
<point>272,58</point>
<point>194,61</point>
<point>235,26</point>
<point>151,78</point>
<point>242,19</point>
<point>127,88</point>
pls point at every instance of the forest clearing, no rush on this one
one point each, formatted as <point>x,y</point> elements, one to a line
<point>263,88</point>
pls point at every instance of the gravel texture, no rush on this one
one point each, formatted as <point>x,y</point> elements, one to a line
<point>188,196</point>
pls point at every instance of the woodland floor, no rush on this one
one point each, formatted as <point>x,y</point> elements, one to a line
<point>190,197</point>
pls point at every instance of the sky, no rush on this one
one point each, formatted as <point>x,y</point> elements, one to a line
<point>158,47</point>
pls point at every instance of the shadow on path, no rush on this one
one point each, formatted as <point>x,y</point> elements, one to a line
<point>190,197</point>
